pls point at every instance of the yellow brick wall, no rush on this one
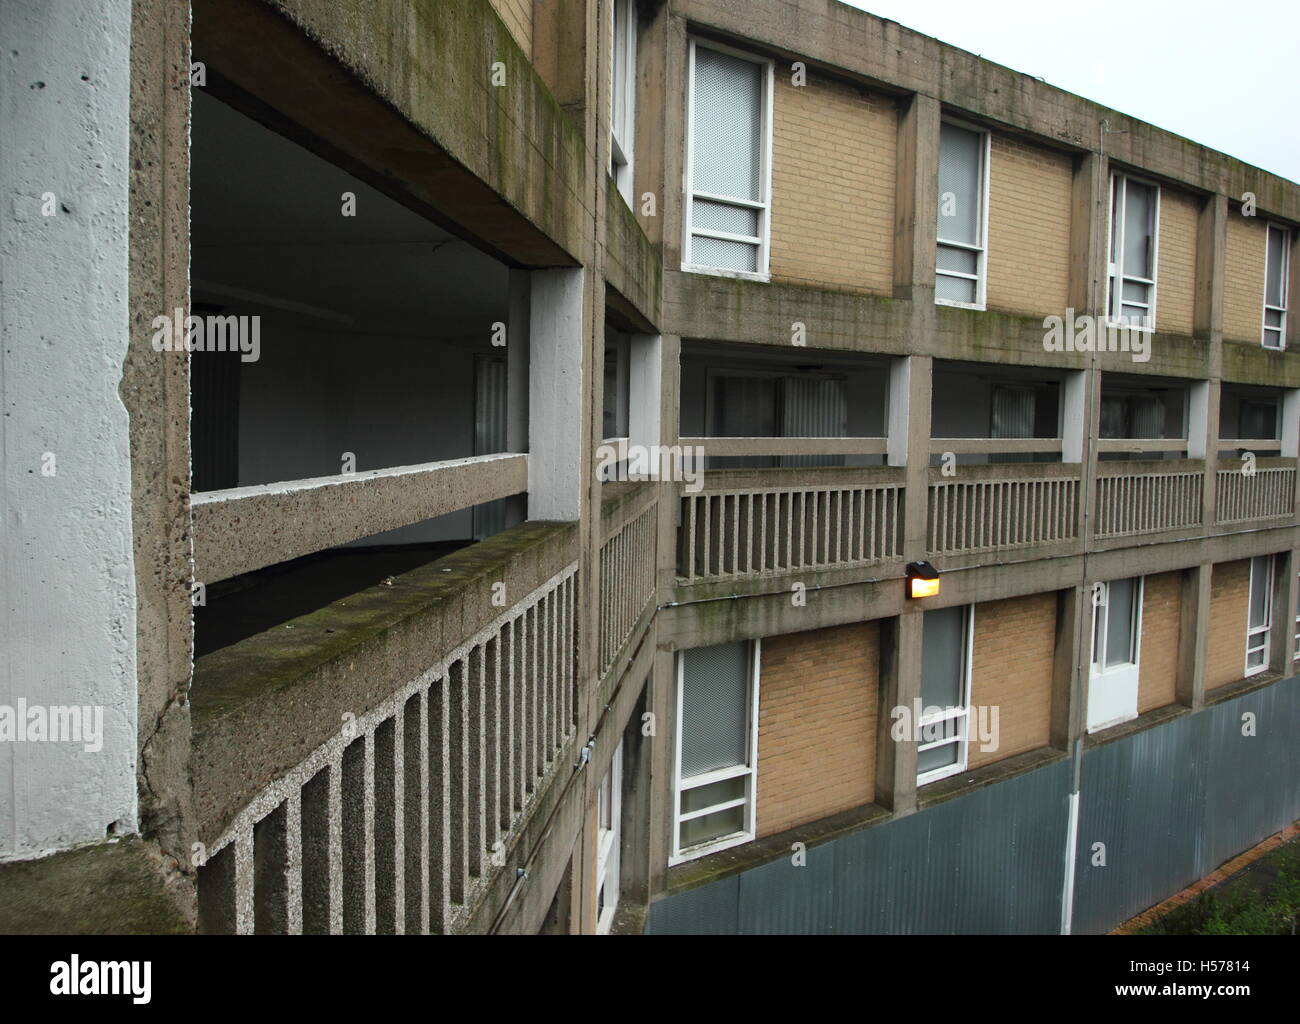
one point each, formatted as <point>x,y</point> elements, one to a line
<point>1243,277</point>
<point>1176,262</point>
<point>1162,599</point>
<point>1229,604</point>
<point>1011,669</point>
<point>518,16</point>
<point>1029,228</point>
<point>833,151</point>
<point>817,719</point>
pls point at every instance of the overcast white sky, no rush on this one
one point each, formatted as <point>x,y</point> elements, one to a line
<point>1224,73</point>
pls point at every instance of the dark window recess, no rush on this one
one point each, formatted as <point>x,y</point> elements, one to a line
<point>214,415</point>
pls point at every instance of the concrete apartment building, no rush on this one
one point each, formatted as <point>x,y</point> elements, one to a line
<point>339,338</point>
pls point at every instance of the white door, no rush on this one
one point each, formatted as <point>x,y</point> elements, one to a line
<point>1116,648</point>
<point>609,811</point>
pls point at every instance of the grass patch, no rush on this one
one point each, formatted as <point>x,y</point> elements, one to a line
<point>1263,899</point>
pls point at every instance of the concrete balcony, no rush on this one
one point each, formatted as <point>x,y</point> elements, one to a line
<point>368,767</point>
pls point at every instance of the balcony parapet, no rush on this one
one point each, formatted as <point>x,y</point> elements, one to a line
<point>354,768</point>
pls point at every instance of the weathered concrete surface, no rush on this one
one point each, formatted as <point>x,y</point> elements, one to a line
<point>405,94</point>
<point>155,390</point>
<point>262,705</point>
<point>247,528</point>
<point>107,889</point>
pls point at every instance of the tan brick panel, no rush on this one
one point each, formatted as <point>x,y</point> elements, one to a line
<point>1229,604</point>
<point>1243,278</point>
<point>833,152</point>
<point>1029,228</point>
<point>1011,669</point>
<point>817,724</point>
<point>1176,266</point>
<point>1162,600</point>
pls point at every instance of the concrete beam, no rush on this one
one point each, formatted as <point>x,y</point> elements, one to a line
<point>247,528</point>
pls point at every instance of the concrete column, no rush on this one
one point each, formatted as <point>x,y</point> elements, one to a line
<point>555,398</point>
<point>909,442</point>
<point>1070,665</point>
<point>1194,635</point>
<point>900,686</point>
<point>1211,246</point>
<point>1203,440</point>
<point>916,199</point>
<point>670,348</point>
<point>1282,634</point>
<point>1075,410</point>
<point>1089,214</point>
<point>645,389</point>
<point>662,702</point>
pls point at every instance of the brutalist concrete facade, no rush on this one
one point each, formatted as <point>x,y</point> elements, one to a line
<point>428,753</point>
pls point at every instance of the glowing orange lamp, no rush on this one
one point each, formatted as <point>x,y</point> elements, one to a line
<point>922,580</point>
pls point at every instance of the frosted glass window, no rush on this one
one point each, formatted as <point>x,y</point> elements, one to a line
<point>959,260</point>
<point>1121,635</point>
<point>1260,614</point>
<point>945,693</point>
<point>715,711</point>
<point>1276,272</point>
<point>728,167</point>
<point>715,782</point>
<point>1134,220</point>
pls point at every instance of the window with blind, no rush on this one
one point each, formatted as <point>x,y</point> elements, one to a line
<point>1259,621</point>
<point>728,162</point>
<point>623,96</point>
<point>1134,220</point>
<point>775,405</point>
<point>1277,260</point>
<point>963,229</point>
<point>717,740</point>
<point>945,693</point>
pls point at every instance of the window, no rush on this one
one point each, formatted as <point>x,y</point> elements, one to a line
<point>1134,216</point>
<point>771,404</point>
<point>614,422</point>
<point>717,748</point>
<point>1276,273</point>
<point>623,96</point>
<point>1257,419</point>
<point>1260,620</point>
<point>963,221</point>
<point>1116,649</point>
<point>728,164</point>
<point>945,693</point>
<point>609,812</point>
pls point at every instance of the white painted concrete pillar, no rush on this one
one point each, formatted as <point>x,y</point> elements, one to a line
<point>645,376</point>
<point>555,401</point>
<point>67,572</point>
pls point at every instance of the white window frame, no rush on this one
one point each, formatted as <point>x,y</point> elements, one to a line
<point>747,771</point>
<point>1295,649</point>
<point>1115,277</point>
<point>764,207</point>
<point>622,119</point>
<point>1104,682</point>
<point>1259,637</point>
<point>981,276</point>
<point>1269,228</point>
<point>960,714</point>
<point>609,806</point>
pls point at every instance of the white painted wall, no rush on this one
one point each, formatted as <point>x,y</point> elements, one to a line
<point>68,577</point>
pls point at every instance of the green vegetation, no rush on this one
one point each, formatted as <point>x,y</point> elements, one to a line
<point>1264,899</point>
